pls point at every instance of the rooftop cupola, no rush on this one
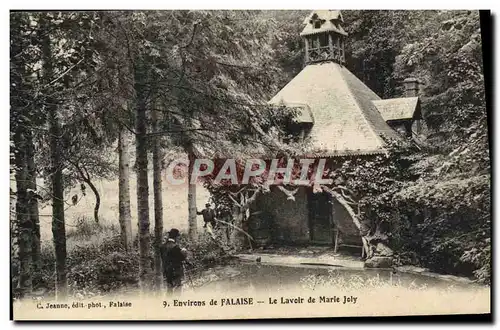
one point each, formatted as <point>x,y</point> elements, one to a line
<point>324,37</point>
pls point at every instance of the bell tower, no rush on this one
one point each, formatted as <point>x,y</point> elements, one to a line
<point>324,37</point>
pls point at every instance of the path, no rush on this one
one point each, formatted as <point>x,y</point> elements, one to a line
<point>292,256</point>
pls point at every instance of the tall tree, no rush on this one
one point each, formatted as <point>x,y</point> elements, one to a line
<point>64,41</point>
<point>125,217</point>
<point>191,198</point>
<point>222,70</point>
<point>116,97</point>
<point>33,204</point>
<point>141,142</point>
<point>58,223</point>
<point>23,217</point>
<point>21,145</point>
<point>157,192</point>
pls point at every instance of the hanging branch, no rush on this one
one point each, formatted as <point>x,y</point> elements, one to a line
<point>355,217</point>
<point>86,178</point>
<point>345,204</point>
<point>237,228</point>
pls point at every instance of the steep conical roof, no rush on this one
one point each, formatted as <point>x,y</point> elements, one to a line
<point>346,121</point>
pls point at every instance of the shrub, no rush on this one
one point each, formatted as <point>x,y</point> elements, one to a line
<point>204,251</point>
<point>83,229</point>
<point>106,273</point>
<point>92,268</point>
<point>102,267</point>
<point>445,226</point>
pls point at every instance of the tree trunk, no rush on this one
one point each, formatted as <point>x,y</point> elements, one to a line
<point>97,198</point>
<point>33,207</point>
<point>237,238</point>
<point>23,217</point>
<point>240,214</point>
<point>371,243</point>
<point>58,224</point>
<point>85,176</point>
<point>363,232</point>
<point>192,216</point>
<point>142,182</point>
<point>125,217</point>
<point>158,204</point>
<point>23,231</point>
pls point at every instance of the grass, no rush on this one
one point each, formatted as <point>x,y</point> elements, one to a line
<point>175,211</point>
<point>357,282</point>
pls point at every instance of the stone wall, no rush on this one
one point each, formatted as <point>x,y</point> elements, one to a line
<point>289,220</point>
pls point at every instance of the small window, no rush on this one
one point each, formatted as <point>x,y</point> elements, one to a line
<point>317,24</point>
<point>315,43</point>
<point>323,40</point>
<point>297,132</point>
<point>335,41</point>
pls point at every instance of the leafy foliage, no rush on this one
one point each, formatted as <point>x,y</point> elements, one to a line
<point>210,74</point>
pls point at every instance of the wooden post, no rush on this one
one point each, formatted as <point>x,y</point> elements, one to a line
<point>340,50</point>
<point>336,241</point>
<point>306,57</point>
<point>330,45</point>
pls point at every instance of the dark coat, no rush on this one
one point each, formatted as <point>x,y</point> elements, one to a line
<point>172,258</point>
<point>208,215</point>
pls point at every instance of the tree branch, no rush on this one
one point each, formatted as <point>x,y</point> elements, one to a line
<point>251,200</point>
<point>346,205</point>
<point>234,201</point>
<point>63,74</point>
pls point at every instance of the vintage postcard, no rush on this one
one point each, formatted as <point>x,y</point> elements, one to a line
<point>248,164</point>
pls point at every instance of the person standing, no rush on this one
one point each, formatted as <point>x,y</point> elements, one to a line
<point>208,215</point>
<point>173,257</point>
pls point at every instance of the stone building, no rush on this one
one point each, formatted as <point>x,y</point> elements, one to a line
<point>341,116</point>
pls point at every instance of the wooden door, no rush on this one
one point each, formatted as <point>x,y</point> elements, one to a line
<point>320,218</point>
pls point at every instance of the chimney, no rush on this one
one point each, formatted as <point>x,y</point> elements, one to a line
<point>411,87</point>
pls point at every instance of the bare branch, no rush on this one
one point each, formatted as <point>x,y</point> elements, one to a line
<point>289,193</point>
<point>195,25</point>
<point>176,131</point>
<point>346,205</point>
<point>348,198</point>
<point>234,201</point>
<point>236,193</point>
<point>346,189</point>
<point>63,74</point>
<point>251,200</point>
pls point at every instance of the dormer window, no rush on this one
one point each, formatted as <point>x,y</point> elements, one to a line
<point>316,22</point>
<point>298,128</point>
<point>297,132</point>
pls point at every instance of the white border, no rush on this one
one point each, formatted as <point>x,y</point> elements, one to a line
<point>190,4</point>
